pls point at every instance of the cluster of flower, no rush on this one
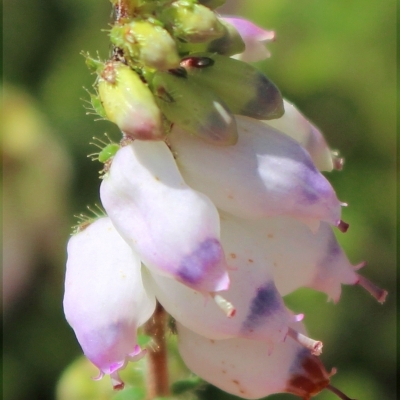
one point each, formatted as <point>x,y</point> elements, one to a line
<point>215,205</point>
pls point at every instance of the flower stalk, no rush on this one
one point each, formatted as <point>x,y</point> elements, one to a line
<point>157,373</point>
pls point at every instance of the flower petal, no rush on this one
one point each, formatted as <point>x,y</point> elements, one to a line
<point>260,311</point>
<point>253,37</point>
<point>105,301</point>
<point>266,173</point>
<point>295,125</point>
<point>300,257</point>
<point>174,229</point>
<point>247,368</point>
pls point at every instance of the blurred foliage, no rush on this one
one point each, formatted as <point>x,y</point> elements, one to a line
<point>334,59</point>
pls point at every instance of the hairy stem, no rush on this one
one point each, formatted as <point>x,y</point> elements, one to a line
<point>157,373</point>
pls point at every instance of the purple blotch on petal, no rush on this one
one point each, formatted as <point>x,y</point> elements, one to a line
<point>266,302</point>
<point>195,266</point>
<point>316,186</point>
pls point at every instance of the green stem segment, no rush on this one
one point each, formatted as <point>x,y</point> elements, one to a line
<point>157,373</point>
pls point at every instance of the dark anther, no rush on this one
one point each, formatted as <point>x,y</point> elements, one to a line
<point>197,62</point>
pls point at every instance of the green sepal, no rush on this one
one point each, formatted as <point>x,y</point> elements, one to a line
<point>97,105</point>
<point>108,152</point>
<point>245,90</point>
<point>94,65</point>
<point>194,108</point>
<point>191,22</point>
<point>146,43</point>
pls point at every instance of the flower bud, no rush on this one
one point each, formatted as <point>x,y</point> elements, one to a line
<point>174,229</point>
<point>195,108</point>
<point>146,43</point>
<point>191,22</point>
<point>105,301</point>
<point>245,90</point>
<point>128,102</point>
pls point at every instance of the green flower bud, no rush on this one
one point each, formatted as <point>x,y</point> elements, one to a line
<point>128,102</point>
<point>212,3</point>
<point>146,43</point>
<point>192,23</point>
<point>245,90</point>
<point>228,44</point>
<point>194,108</point>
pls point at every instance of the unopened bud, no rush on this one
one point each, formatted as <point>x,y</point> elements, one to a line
<point>192,23</point>
<point>146,43</point>
<point>194,108</point>
<point>129,103</point>
<point>245,90</point>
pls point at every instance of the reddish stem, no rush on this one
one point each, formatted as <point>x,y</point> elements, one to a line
<point>157,374</point>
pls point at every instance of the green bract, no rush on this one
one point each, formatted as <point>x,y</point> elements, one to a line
<point>245,90</point>
<point>146,43</point>
<point>195,108</point>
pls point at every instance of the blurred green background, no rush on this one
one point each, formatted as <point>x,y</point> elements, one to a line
<point>334,59</point>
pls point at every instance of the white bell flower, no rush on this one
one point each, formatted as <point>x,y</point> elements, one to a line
<point>105,300</point>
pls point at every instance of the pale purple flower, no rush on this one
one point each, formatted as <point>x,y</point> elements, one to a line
<point>223,233</point>
<point>248,369</point>
<point>254,38</point>
<point>105,300</point>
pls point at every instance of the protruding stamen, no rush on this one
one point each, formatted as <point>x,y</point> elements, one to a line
<point>360,265</point>
<point>315,346</point>
<point>299,317</point>
<point>338,163</point>
<point>343,226</point>
<point>375,291</point>
<point>224,305</point>
<point>116,381</point>
<point>338,393</point>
